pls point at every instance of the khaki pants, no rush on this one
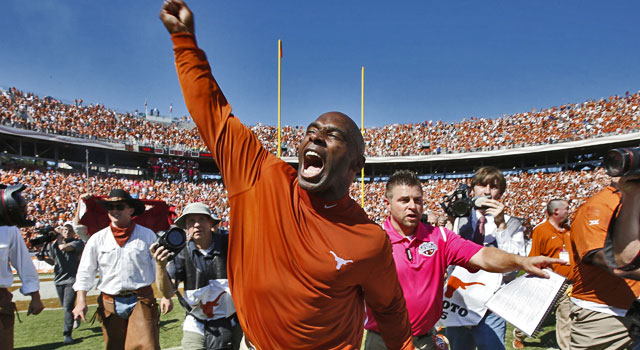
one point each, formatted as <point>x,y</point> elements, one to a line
<point>142,325</point>
<point>594,330</point>
<point>563,322</point>
<point>7,319</point>
<point>374,342</point>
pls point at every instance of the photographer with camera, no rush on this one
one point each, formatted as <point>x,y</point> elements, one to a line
<point>604,292</point>
<point>13,252</point>
<point>64,254</point>
<point>211,321</point>
<point>120,253</point>
<point>482,219</point>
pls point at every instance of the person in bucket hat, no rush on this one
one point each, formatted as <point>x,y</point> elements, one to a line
<point>197,208</point>
<point>211,321</point>
<point>120,252</point>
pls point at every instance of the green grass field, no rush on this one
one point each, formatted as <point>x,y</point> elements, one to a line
<point>44,332</point>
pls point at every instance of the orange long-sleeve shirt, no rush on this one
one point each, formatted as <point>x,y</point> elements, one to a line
<point>300,268</point>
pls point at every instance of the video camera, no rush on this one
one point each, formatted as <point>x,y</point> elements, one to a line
<point>13,206</point>
<point>622,162</point>
<point>459,204</point>
<point>173,240</point>
<point>45,235</point>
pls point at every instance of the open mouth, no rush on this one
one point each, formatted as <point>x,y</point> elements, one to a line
<point>412,217</point>
<point>312,165</point>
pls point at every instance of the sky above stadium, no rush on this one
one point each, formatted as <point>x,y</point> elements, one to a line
<point>424,60</point>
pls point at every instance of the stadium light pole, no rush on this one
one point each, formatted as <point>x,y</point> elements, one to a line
<point>362,131</point>
<point>86,159</point>
<point>279,94</point>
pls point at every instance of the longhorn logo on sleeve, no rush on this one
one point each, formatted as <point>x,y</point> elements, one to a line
<point>455,283</point>
<point>339,261</point>
<point>208,307</point>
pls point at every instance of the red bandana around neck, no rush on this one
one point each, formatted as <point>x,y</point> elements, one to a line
<point>122,235</point>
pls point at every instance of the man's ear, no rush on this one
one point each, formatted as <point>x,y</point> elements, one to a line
<point>387,203</point>
<point>358,163</point>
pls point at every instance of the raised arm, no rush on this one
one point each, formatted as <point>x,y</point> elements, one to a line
<point>236,150</point>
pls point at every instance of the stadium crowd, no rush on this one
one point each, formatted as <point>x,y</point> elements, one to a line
<point>570,122</point>
<point>53,194</point>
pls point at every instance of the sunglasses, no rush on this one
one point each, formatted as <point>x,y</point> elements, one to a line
<point>116,206</point>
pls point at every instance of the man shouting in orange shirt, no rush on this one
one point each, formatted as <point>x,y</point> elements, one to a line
<point>303,256</point>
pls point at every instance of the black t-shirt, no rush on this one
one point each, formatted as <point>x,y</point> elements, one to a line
<point>66,263</point>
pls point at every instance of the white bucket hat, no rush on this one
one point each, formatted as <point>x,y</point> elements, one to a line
<point>196,208</point>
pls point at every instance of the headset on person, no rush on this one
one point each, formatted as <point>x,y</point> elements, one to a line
<point>13,206</point>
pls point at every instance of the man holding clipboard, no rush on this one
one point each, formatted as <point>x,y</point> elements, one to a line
<point>422,254</point>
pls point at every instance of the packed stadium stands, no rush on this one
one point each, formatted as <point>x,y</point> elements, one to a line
<point>570,122</point>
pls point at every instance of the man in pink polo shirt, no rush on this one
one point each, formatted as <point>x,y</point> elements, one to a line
<point>422,254</point>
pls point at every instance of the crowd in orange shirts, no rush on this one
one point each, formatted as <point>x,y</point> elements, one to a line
<point>53,194</point>
<point>593,118</point>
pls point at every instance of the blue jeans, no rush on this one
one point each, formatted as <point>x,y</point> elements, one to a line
<point>486,335</point>
<point>67,297</point>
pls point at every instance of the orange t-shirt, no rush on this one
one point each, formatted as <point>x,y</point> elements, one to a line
<point>588,232</point>
<point>300,268</point>
<point>548,241</point>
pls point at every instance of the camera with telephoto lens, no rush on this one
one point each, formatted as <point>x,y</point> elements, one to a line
<point>45,235</point>
<point>173,240</point>
<point>622,162</point>
<point>460,204</point>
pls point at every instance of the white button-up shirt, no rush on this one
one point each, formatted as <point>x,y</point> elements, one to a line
<point>511,242</point>
<point>14,251</point>
<point>121,269</point>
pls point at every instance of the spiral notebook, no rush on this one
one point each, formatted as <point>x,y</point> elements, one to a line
<point>526,301</point>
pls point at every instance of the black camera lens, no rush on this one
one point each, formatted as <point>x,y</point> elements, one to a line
<point>173,240</point>
<point>461,208</point>
<point>622,162</point>
<point>176,238</point>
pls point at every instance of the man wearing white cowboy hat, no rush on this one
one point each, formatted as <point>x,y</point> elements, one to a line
<point>64,253</point>
<point>211,321</point>
<point>120,254</point>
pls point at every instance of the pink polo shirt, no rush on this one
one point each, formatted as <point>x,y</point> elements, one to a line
<point>421,264</point>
